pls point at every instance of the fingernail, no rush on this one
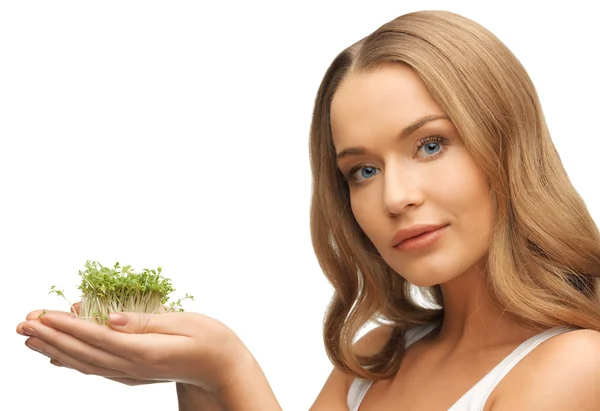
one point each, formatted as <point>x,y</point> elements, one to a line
<point>117,319</point>
<point>54,362</point>
<point>29,331</point>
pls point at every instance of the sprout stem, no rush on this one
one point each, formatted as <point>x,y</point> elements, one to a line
<point>119,289</point>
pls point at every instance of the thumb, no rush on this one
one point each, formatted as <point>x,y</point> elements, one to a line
<point>118,319</point>
<point>142,323</point>
<point>134,323</point>
<point>121,319</point>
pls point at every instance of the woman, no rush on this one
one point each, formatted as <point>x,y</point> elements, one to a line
<point>432,169</point>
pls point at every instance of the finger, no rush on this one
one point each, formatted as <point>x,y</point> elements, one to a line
<point>121,380</point>
<point>56,363</point>
<point>50,341</point>
<point>134,381</point>
<point>58,357</point>
<point>165,323</point>
<point>137,348</point>
<point>37,314</point>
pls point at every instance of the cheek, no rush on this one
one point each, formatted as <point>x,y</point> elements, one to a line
<point>465,185</point>
<point>366,212</point>
<point>474,207</point>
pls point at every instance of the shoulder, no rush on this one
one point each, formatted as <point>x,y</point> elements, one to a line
<point>562,373</point>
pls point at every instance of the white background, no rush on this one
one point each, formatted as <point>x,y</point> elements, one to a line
<point>176,134</point>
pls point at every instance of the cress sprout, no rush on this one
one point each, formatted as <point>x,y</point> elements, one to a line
<point>106,290</point>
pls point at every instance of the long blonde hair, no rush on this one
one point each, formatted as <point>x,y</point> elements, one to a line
<point>544,256</point>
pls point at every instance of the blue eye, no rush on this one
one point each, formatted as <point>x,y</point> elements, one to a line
<point>362,172</point>
<point>432,146</point>
<point>367,172</point>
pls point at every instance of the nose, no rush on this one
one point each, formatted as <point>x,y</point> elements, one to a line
<point>402,190</point>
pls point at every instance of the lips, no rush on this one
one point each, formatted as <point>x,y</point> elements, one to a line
<point>414,231</point>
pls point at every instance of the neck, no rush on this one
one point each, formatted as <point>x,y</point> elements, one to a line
<point>472,320</point>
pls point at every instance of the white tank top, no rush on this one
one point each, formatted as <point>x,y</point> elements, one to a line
<point>475,398</point>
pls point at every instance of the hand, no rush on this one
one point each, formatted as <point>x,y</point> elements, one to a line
<point>122,380</point>
<point>188,348</point>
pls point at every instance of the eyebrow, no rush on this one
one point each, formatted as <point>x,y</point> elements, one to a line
<point>405,132</point>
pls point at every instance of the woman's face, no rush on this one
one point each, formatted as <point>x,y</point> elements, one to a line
<point>407,169</point>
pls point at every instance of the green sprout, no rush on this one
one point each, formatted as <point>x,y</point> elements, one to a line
<point>176,305</point>
<point>106,290</point>
<point>60,293</point>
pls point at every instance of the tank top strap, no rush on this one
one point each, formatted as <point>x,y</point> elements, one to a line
<point>414,334</point>
<point>476,397</point>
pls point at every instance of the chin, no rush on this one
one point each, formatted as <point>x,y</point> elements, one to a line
<point>424,272</point>
<point>427,281</point>
<point>436,276</point>
<point>429,276</point>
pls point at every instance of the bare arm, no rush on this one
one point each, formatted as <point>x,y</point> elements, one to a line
<point>248,390</point>
<point>333,396</point>
<point>192,398</point>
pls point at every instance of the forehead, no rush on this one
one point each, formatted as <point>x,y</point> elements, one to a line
<point>373,102</point>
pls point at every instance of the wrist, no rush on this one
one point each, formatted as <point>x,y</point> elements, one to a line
<point>247,388</point>
<point>233,360</point>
